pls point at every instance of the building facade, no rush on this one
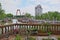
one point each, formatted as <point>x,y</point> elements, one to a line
<point>38,10</point>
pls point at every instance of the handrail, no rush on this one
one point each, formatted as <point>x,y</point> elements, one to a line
<point>35,24</point>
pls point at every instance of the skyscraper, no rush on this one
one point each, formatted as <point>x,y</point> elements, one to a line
<point>38,10</point>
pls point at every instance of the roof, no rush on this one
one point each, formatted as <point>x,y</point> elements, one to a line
<point>38,6</point>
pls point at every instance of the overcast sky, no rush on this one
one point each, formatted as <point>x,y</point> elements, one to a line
<point>10,6</point>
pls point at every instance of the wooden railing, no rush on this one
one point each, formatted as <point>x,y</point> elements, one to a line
<point>42,29</point>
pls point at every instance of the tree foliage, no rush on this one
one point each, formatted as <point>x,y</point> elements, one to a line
<point>9,15</point>
<point>49,16</point>
<point>3,14</point>
<point>28,15</point>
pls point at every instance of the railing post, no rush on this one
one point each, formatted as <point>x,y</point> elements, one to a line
<point>39,27</point>
<point>8,29</point>
<point>47,28</point>
<point>52,27</point>
<point>42,27</point>
<point>5,30</point>
<point>2,30</point>
<point>57,28</point>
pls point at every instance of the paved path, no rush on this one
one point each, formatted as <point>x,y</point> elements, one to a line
<point>37,37</point>
<point>45,37</point>
<point>9,38</point>
<point>12,37</point>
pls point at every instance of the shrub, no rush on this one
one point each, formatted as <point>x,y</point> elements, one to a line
<point>58,38</point>
<point>18,37</point>
<point>32,38</point>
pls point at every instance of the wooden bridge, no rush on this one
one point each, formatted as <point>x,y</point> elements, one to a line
<point>42,29</point>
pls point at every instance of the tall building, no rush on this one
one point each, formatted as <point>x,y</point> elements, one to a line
<point>38,10</point>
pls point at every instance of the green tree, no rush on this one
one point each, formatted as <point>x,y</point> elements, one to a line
<point>0,6</point>
<point>2,13</point>
<point>28,15</point>
<point>9,15</point>
<point>37,17</point>
<point>49,16</point>
<point>2,16</point>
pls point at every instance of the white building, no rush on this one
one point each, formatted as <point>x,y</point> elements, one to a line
<point>38,10</point>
